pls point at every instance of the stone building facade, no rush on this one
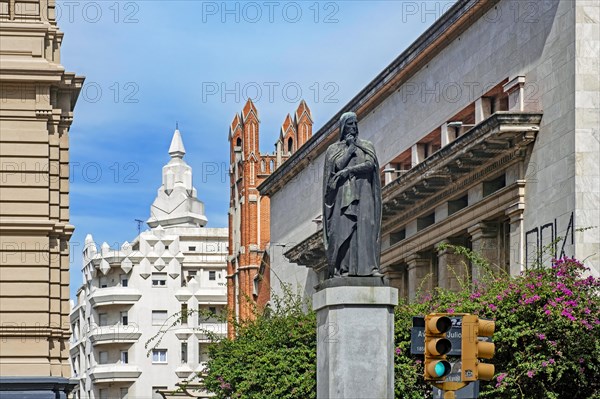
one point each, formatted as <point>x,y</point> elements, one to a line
<point>165,288</point>
<point>248,269</point>
<point>37,98</point>
<point>486,129</point>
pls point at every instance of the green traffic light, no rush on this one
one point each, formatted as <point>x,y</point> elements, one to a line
<point>442,368</point>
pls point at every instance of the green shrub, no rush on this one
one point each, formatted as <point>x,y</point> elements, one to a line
<point>272,357</point>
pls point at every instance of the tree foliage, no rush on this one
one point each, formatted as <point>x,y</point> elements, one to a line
<point>272,357</point>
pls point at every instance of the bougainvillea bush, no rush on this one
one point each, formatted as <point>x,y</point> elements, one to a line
<point>547,340</point>
<point>547,331</point>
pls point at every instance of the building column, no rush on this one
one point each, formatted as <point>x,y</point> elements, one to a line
<point>389,174</point>
<point>516,93</point>
<point>517,237</point>
<point>483,109</point>
<point>418,154</point>
<point>452,268</point>
<point>484,242</point>
<point>399,279</point>
<point>421,276</point>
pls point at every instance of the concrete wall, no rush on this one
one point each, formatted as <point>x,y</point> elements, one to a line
<point>508,41</point>
<point>587,129</point>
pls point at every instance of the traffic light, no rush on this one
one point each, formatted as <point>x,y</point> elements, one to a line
<point>473,349</point>
<point>436,347</point>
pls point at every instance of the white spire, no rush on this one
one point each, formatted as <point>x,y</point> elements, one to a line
<point>177,150</point>
<point>176,203</point>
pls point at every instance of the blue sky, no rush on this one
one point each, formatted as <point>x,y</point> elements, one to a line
<point>149,64</point>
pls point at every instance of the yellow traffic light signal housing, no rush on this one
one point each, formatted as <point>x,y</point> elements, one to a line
<point>473,349</point>
<point>436,347</point>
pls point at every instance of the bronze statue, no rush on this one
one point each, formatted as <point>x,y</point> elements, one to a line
<point>351,204</point>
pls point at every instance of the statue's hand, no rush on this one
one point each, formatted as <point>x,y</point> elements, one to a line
<point>343,174</point>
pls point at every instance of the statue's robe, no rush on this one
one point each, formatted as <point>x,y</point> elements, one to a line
<point>352,212</point>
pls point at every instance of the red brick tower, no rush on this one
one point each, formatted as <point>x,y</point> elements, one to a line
<point>248,271</point>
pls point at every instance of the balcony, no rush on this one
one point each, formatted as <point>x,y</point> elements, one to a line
<point>212,295</point>
<point>114,334</point>
<point>115,372</point>
<point>114,296</point>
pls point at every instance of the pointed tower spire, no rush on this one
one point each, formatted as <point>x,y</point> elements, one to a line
<point>176,150</point>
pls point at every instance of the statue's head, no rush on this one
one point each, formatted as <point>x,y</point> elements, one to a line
<point>348,125</point>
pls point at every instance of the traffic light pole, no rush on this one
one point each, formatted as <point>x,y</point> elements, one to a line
<point>450,387</point>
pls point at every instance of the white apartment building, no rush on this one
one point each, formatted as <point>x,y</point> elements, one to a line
<point>145,289</point>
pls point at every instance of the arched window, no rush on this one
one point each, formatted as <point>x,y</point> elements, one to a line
<point>272,166</point>
<point>238,142</point>
<point>290,145</point>
<point>262,166</point>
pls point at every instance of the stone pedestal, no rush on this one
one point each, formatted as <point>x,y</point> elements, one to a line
<point>355,338</point>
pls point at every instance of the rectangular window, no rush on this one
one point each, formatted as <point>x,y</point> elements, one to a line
<point>458,204</point>
<point>159,279</point>
<point>212,275</point>
<point>103,357</point>
<point>491,186</point>
<point>124,357</point>
<point>425,221</point>
<point>192,249</point>
<point>103,393</point>
<point>184,352</point>
<point>124,280</point>
<point>184,313</point>
<point>124,318</point>
<point>159,317</point>
<point>202,353</point>
<point>397,236</point>
<point>102,319</point>
<point>159,356</point>
<point>123,393</point>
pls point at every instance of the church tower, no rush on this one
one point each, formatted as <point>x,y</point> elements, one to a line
<point>249,222</point>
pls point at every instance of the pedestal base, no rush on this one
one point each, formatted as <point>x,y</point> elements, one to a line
<point>355,341</point>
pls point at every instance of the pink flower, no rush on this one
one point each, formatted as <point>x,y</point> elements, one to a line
<point>398,351</point>
<point>530,373</point>
<point>475,295</point>
<point>541,336</point>
<point>551,361</point>
<point>493,307</point>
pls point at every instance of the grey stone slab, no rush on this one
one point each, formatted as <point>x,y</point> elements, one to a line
<point>355,342</point>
